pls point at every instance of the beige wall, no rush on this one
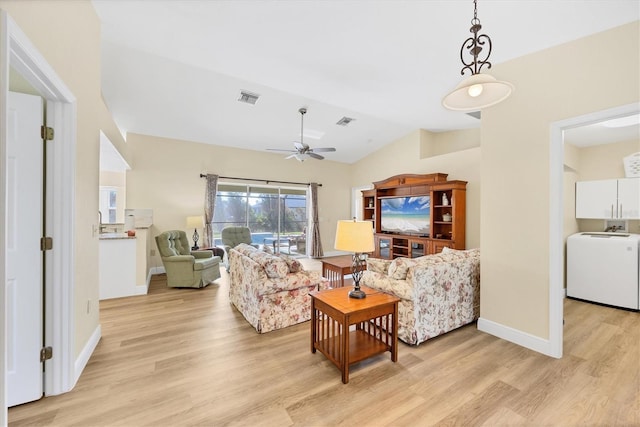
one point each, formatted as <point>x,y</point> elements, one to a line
<point>67,34</point>
<point>165,177</point>
<point>555,84</point>
<point>404,156</point>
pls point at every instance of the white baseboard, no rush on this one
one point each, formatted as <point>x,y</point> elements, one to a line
<point>516,336</point>
<point>86,353</point>
<point>156,270</point>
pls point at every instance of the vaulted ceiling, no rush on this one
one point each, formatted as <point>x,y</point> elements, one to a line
<point>176,68</point>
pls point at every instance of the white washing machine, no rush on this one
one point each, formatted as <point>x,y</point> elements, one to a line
<point>604,268</point>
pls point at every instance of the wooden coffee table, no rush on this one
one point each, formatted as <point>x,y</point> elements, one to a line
<point>376,326</point>
<point>335,268</point>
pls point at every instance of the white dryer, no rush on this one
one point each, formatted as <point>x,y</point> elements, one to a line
<point>604,268</point>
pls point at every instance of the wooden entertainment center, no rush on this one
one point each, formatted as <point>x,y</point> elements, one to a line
<point>447,210</point>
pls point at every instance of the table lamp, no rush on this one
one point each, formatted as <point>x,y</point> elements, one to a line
<point>357,237</point>
<point>195,222</point>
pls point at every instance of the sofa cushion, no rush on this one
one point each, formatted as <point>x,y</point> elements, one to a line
<point>378,265</point>
<point>466,253</point>
<point>399,267</point>
<point>275,267</point>
<point>293,264</point>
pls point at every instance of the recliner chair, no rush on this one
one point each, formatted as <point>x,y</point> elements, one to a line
<point>186,269</point>
<point>232,236</point>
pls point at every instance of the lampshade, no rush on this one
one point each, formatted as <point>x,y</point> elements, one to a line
<point>354,236</point>
<point>195,221</point>
<point>476,92</point>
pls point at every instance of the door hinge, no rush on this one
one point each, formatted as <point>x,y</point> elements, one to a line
<point>46,353</point>
<point>46,133</point>
<point>46,243</point>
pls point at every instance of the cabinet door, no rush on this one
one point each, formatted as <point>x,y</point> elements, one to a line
<point>383,247</point>
<point>417,248</point>
<point>629,198</point>
<point>438,245</point>
<point>597,199</point>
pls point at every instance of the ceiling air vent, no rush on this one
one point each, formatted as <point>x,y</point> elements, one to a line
<point>344,121</point>
<point>248,97</point>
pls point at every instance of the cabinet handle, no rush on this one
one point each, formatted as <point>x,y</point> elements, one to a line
<point>620,211</point>
<point>612,211</point>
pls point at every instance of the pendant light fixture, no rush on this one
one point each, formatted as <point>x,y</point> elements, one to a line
<point>479,90</point>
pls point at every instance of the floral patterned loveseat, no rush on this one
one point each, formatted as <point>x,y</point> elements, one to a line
<point>438,293</point>
<point>271,291</point>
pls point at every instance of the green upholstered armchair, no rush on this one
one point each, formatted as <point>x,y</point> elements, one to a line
<point>186,269</point>
<point>232,237</point>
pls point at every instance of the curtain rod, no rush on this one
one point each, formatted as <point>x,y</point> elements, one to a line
<point>267,181</point>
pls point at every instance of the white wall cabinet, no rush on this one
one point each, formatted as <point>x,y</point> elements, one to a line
<point>629,198</point>
<point>609,198</point>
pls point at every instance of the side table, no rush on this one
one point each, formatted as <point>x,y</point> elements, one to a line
<point>376,326</point>
<point>335,268</point>
<point>216,251</point>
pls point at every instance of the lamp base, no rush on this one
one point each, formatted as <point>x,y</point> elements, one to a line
<point>357,293</point>
<point>195,248</point>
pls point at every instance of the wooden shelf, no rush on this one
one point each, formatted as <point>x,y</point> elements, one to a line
<point>442,233</point>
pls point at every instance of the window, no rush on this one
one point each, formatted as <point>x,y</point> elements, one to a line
<point>270,212</point>
<point>108,204</point>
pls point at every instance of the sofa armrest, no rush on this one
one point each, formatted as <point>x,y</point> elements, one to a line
<point>202,254</point>
<point>179,258</point>
<point>293,281</point>
<point>400,288</point>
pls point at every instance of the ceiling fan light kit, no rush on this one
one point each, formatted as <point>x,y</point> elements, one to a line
<point>302,151</point>
<point>479,90</point>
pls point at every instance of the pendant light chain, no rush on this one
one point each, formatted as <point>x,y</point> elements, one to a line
<point>475,19</point>
<point>474,45</point>
<point>480,90</point>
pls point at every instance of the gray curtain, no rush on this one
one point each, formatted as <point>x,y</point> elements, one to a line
<point>316,244</point>
<point>209,204</point>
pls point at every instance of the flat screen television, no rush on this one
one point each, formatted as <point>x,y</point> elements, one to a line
<point>406,215</point>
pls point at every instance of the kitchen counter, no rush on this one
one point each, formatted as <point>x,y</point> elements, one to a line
<point>115,236</point>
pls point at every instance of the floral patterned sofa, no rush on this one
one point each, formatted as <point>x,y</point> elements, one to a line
<point>271,291</point>
<point>438,293</point>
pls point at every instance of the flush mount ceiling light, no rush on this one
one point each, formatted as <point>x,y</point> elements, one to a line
<point>478,90</point>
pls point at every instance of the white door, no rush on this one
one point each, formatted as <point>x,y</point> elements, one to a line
<point>24,258</point>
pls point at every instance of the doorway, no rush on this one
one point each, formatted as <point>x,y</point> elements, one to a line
<point>17,53</point>
<point>556,214</point>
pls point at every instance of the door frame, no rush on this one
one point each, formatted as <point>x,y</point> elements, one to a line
<point>17,51</point>
<point>556,216</point>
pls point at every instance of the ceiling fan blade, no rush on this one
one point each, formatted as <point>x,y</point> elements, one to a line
<point>323,150</point>
<point>314,155</point>
<point>291,156</point>
<point>283,151</point>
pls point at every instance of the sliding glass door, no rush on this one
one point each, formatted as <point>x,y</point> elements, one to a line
<point>277,216</point>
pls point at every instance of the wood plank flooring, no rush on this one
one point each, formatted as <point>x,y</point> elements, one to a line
<point>179,357</point>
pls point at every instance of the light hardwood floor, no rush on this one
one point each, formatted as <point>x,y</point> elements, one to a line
<point>180,357</point>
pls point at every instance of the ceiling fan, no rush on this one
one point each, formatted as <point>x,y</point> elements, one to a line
<point>302,151</point>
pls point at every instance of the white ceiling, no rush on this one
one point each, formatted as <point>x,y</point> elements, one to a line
<point>175,68</point>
